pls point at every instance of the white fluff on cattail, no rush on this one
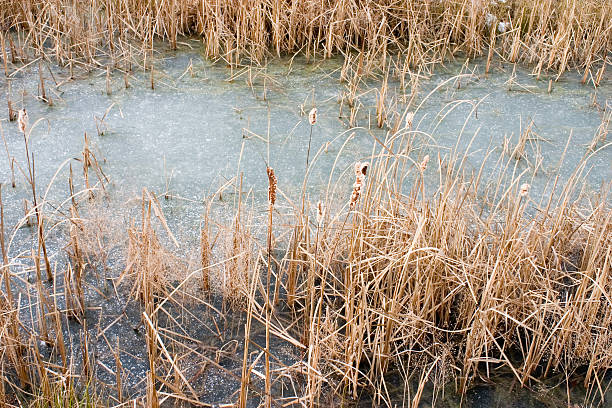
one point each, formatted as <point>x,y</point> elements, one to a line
<point>312,116</point>
<point>22,120</point>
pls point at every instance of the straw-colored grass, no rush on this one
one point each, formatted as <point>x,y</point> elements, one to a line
<point>444,282</point>
<point>550,35</point>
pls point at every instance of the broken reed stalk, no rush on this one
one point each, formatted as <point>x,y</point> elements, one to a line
<point>4,55</point>
<point>10,159</point>
<point>108,81</point>
<point>12,115</point>
<point>25,130</point>
<point>43,91</point>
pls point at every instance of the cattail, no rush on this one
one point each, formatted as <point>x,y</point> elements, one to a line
<point>23,120</point>
<point>409,118</point>
<point>524,190</point>
<point>361,169</point>
<point>356,192</point>
<point>360,174</point>
<point>502,26</point>
<point>312,116</point>
<point>271,185</point>
<point>320,212</point>
<point>205,257</point>
<point>424,162</point>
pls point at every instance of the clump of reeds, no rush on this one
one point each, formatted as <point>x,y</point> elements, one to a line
<point>400,291</point>
<point>550,35</point>
<point>147,261</point>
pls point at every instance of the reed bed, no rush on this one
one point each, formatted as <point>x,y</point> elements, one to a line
<point>441,279</point>
<point>384,276</point>
<point>549,35</point>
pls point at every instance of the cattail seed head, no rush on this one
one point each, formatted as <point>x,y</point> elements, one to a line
<point>524,190</point>
<point>23,120</point>
<point>424,162</point>
<point>356,193</point>
<point>320,212</point>
<point>312,116</point>
<point>360,174</point>
<point>272,181</point>
<point>409,118</point>
<point>361,169</point>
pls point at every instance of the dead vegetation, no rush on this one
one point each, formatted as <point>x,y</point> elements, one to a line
<point>381,275</point>
<point>441,282</point>
<point>548,35</point>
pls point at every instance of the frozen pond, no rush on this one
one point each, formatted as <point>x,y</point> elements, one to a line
<point>203,125</point>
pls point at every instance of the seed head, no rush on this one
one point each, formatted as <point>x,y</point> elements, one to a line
<point>22,120</point>
<point>424,162</point>
<point>524,190</point>
<point>320,212</point>
<point>361,169</point>
<point>502,26</point>
<point>409,118</point>
<point>360,174</point>
<point>271,185</point>
<point>356,192</point>
<point>312,116</point>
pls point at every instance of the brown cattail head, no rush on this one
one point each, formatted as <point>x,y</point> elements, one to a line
<point>424,162</point>
<point>271,185</point>
<point>320,212</point>
<point>22,120</point>
<point>205,257</point>
<point>524,190</point>
<point>312,116</point>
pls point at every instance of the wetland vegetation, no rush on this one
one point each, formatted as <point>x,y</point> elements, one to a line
<point>280,203</point>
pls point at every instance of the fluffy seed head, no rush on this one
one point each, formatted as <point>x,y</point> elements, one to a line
<point>361,170</point>
<point>22,120</point>
<point>312,116</point>
<point>524,190</point>
<point>424,162</point>
<point>409,118</point>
